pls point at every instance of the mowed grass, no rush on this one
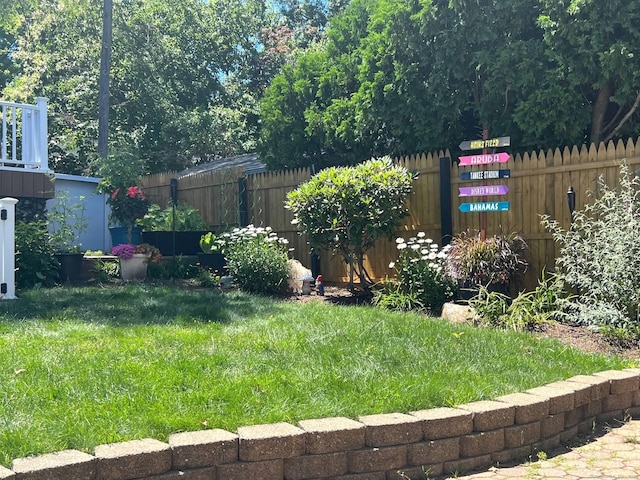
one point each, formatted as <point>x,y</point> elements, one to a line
<point>81,367</point>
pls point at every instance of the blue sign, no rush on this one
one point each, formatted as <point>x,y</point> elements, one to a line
<point>484,207</point>
<point>485,175</point>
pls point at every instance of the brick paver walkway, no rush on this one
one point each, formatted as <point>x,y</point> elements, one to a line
<point>614,455</point>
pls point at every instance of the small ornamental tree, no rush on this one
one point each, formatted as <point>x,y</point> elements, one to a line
<point>344,210</point>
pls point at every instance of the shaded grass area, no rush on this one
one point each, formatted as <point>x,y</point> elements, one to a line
<point>81,367</point>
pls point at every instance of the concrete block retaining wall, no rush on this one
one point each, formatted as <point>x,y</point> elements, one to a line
<point>375,447</point>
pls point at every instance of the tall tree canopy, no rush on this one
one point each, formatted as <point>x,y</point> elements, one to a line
<point>404,76</point>
<point>316,82</point>
<point>182,78</point>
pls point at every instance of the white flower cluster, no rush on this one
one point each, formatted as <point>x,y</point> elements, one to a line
<point>252,232</point>
<point>420,248</point>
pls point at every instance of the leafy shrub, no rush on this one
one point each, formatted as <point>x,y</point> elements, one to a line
<point>67,221</point>
<point>526,312</point>
<point>179,268</point>
<point>344,210</point>
<point>600,255</point>
<point>257,259</point>
<point>210,243</point>
<point>35,263</point>
<point>496,260</point>
<point>187,218</point>
<point>208,279</point>
<point>106,270</point>
<point>420,282</point>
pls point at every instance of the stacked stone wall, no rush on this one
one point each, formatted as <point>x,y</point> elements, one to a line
<point>374,447</point>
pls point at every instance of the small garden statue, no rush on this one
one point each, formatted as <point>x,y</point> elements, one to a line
<point>319,285</point>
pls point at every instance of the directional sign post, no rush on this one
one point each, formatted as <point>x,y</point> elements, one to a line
<point>484,207</point>
<point>485,159</point>
<point>483,190</point>
<point>489,143</point>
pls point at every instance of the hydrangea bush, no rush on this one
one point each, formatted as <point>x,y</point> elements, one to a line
<point>257,259</point>
<point>421,281</point>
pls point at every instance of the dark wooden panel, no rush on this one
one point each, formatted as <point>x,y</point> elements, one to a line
<point>25,184</point>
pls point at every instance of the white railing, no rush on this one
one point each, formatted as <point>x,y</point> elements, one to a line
<point>7,248</point>
<point>24,136</point>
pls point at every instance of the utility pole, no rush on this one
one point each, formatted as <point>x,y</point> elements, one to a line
<point>105,69</point>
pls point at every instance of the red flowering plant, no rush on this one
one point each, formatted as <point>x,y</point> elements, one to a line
<point>127,206</point>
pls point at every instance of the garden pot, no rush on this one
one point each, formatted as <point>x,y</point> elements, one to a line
<point>134,269</point>
<point>187,242</point>
<point>119,235</point>
<point>70,266</point>
<point>213,261</point>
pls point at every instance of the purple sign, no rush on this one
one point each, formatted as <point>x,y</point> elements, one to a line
<point>483,190</point>
<point>486,159</point>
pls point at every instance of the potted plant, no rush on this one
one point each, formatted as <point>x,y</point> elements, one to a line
<point>121,172</point>
<point>174,230</point>
<point>128,205</point>
<point>492,263</point>
<point>66,221</point>
<point>211,256</point>
<point>134,260</point>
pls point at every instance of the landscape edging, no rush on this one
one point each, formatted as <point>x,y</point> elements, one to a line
<point>387,446</point>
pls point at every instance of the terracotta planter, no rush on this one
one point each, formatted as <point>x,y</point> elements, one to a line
<point>134,269</point>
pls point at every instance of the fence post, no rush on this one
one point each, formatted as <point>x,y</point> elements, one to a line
<point>446,221</point>
<point>243,202</point>
<point>8,248</point>
<point>42,135</point>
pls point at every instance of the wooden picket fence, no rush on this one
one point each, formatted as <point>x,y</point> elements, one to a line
<point>537,185</point>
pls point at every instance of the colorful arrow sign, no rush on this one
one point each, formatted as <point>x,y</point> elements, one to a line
<point>483,190</point>
<point>485,175</point>
<point>490,143</point>
<point>484,207</point>
<point>485,159</point>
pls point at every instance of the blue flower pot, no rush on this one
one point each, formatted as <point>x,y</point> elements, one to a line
<point>119,235</point>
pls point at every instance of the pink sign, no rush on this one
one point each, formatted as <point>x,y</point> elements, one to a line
<point>486,159</point>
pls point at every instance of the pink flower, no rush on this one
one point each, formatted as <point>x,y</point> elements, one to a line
<point>134,191</point>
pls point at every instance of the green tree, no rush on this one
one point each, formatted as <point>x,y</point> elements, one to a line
<point>344,210</point>
<point>180,71</point>
<point>402,76</point>
<point>593,46</point>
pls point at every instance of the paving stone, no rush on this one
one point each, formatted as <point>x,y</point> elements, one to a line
<point>445,422</point>
<point>203,448</point>
<point>490,415</point>
<point>391,429</point>
<point>55,466</point>
<point>270,442</point>
<point>335,434</point>
<point>133,459</point>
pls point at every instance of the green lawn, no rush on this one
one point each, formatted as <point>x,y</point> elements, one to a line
<point>85,366</point>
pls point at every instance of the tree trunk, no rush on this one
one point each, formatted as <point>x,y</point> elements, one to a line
<point>600,111</point>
